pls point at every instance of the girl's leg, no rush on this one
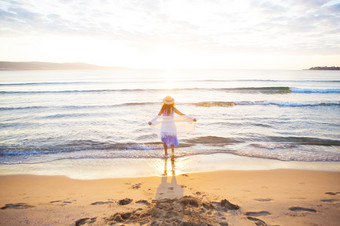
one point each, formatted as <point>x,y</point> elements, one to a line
<point>165,148</point>
<point>173,150</point>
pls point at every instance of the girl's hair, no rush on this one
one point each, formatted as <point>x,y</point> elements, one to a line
<point>167,108</point>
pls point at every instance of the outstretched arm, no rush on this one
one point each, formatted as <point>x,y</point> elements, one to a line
<point>160,112</point>
<point>178,112</point>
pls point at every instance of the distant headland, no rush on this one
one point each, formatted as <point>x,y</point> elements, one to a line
<point>325,68</point>
<point>13,66</point>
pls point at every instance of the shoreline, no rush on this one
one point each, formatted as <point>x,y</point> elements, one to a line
<point>275,197</point>
<point>90,169</point>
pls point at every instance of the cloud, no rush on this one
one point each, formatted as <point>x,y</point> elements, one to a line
<point>200,26</point>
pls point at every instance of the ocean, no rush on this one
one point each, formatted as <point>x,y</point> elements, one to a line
<point>51,116</point>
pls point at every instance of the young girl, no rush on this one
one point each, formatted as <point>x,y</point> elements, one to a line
<point>169,138</point>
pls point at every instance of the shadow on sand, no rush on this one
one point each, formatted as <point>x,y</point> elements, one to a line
<point>168,190</point>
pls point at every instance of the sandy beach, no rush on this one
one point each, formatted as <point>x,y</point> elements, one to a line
<point>160,113</point>
<point>269,197</point>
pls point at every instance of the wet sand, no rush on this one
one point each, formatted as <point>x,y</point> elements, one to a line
<point>269,197</point>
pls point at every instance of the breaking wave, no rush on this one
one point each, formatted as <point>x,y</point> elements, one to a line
<point>199,104</point>
<point>268,90</point>
<point>281,104</point>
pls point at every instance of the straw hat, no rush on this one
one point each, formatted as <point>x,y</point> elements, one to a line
<point>168,100</point>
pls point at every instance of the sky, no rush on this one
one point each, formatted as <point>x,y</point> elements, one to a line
<point>233,34</point>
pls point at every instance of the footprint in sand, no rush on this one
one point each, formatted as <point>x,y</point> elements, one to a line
<point>258,222</point>
<point>16,206</point>
<point>101,203</point>
<point>328,200</point>
<point>143,202</point>
<point>257,214</point>
<point>61,202</point>
<point>263,200</point>
<point>85,221</point>
<point>136,186</point>
<point>228,205</point>
<point>224,224</point>
<point>297,208</point>
<point>125,201</point>
<point>298,198</point>
<point>55,201</point>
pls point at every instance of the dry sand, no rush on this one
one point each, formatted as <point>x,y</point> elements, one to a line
<point>272,197</point>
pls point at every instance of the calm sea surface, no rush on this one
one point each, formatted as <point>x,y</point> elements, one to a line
<point>47,116</point>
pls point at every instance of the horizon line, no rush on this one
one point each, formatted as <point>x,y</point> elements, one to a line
<point>139,68</point>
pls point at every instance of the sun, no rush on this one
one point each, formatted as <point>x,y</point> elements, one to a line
<point>169,58</point>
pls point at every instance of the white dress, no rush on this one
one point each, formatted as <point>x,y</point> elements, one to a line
<point>169,126</point>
